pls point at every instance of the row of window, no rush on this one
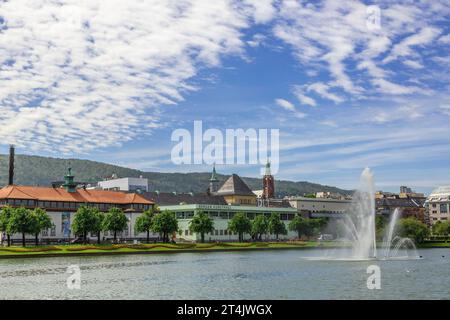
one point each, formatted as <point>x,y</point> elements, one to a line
<point>220,232</point>
<point>230,215</point>
<point>69,205</point>
<point>443,208</point>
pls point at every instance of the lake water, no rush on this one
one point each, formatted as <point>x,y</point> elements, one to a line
<point>228,275</point>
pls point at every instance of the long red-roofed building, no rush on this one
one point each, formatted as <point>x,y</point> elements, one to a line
<point>62,203</point>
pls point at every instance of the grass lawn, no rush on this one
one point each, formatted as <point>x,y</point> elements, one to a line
<point>157,247</point>
<point>434,245</point>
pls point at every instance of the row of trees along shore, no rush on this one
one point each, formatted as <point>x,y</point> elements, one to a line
<point>258,227</point>
<point>91,220</point>
<point>24,221</point>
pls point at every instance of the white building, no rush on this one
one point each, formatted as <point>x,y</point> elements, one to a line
<point>437,205</point>
<point>125,184</point>
<point>320,207</point>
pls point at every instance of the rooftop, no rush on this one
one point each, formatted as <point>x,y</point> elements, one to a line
<point>235,186</point>
<point>80,195</point>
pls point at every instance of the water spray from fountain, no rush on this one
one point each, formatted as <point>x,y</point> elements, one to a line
<point>359,228</point>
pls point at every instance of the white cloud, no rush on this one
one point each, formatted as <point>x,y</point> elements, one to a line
<point>425,36</point>
<point>289,107</point>
<point>78,75</point>
<point>445,39</point>
<point>334,34</point>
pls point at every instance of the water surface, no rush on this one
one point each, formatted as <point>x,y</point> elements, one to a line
<point>225,275</point>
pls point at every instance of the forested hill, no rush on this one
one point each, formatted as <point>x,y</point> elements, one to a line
<point>42,171</point>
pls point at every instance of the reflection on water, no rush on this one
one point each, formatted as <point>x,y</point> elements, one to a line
<point>227,275</point>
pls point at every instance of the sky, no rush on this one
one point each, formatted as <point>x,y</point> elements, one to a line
<point>111,80</point>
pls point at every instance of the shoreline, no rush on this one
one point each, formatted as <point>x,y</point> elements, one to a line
<point>99,252</point>
<point>169,251</point>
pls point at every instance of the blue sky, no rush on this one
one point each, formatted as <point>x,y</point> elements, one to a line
<point>110,81</point>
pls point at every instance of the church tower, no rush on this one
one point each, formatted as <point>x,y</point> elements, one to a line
<point>213,182</point>
<point>268,184</point>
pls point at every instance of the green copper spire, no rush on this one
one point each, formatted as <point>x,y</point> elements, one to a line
<point>214,174</point>
<point>69,184</point>
<point>267,172</point>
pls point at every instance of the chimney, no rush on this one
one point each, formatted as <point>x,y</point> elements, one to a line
<point>11,165</point>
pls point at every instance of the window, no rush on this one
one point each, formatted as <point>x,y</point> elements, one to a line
<point>186,232</point>
<point>44,233</point>
<point>224,215</point>
<point>221,232</point>
<point>443,208</point>
<point>225,232</point>
<point>216,232</point>
<point>53,231</point>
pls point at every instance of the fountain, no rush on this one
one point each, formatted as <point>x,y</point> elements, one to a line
<point>359,229</point>
<point>394,245</point>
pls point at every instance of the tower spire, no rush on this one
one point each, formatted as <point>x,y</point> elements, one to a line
<point>268,183</point>
<point>213,181</point>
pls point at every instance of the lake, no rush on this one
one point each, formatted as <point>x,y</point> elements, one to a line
<point>225,275</point>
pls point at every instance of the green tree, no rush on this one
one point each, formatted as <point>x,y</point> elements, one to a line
<point>413,228</point>
<point>276,226</point>
<point>5,216</point>
<point>21,221</point>
<point>42,221</point>
<point>260,226</point>
<point>240,224</point>
<point>97,223</point>
<point>380,225</point>
<point>165,223</point>
<point>115,221</point>
<point>201,223</point>
<point>83,222</point>
<point>300,225</point>
<point>442,228</point>
<point>144,223</point>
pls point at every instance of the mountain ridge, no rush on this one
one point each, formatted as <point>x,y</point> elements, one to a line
<point>42,171</point>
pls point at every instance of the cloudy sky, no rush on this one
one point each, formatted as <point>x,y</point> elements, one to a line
<point>110,81</point>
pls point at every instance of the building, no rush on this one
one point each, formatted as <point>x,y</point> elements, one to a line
<point>405,189</point>
<point>236,192</point>
<point>268,184</point>
<point>62,203</point>
<point>213,181</point>
<point>320,207</point>
<point>234,196</point>
<point>409,207</point>
<point>124,184</point>
<point>437,205</point>
<point>221,214</point>
<point>410,203</point>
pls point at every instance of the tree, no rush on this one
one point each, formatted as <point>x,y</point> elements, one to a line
<point>413,229</point>
<point>300,225</point>
<point>97,222</point>
<point>260,225</point>
<point>21,221</point>
<point>442,228</point>
<point>165,223</point>
<point>144,223</point>
<point>5,215</point>
<point>42,221</point>
<point>276,226</point>
<point>115,221</point>
<point>83,222</point>
<point>240,224</point>
<point>380,225</point>
<point>201,223</point>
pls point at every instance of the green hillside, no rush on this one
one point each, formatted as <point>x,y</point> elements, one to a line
<point>42,171</point>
